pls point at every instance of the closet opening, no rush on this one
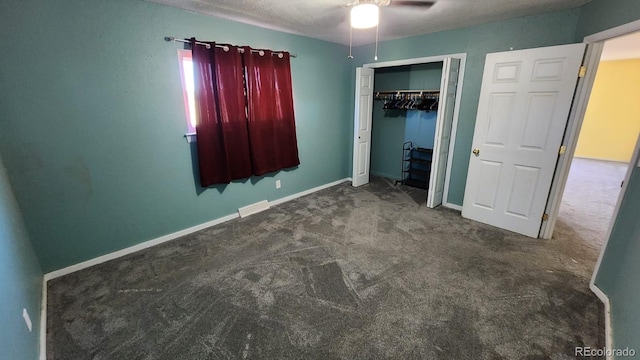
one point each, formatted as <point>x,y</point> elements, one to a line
<point>405,109</point>
<point>405,120</point>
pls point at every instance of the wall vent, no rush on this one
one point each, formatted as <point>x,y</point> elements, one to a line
<point>253,208</point>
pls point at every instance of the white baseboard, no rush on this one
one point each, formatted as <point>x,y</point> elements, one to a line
<point>452,206</point>
<point>172,236</point>
<point>43,321</point>
<point>307,192</point>
<point>608,333</point>
<point>132,249</point>
<point>602,159</point>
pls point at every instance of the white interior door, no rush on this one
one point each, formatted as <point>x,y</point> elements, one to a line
<point>444,124</point>
<point>362,126</point>
<point>524,104</point>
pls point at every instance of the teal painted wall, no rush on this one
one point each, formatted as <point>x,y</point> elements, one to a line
<point>426,76</point>
<point>92,122</point>
<point>20,280</point>
<point>420,127</point>
<point>520,33</point>
<point>619,275</point>
<point>387,129</point>
<point>392,78</point>
<point>600,15</point>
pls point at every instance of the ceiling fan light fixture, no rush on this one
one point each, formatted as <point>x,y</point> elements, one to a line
<point>364,16</point>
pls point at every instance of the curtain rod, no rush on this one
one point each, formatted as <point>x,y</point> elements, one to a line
<point>208,46</point>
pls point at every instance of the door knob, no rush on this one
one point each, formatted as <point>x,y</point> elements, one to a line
<point>476,151</point>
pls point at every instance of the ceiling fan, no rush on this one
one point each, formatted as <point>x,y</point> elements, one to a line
<point>366,14</point>
<point>401,2</point>
<point>383,3</point>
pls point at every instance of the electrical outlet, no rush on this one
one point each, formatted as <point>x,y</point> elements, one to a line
<point>278,184</point>
<point>27,319</point>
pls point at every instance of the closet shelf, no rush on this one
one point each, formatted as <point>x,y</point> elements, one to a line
<point>416,165</point>
<point>420,161</point>
<point>423,150</point>
<point>416,183</point>
<point>407,92</point>
<point>418,172</point>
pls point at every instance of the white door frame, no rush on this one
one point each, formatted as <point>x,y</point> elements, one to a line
<point>595,44</point>
<point>456,110</point>
<point>576,117</point>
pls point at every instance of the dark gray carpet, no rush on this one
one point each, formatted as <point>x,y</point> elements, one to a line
<point>589,199</point>
<point>345,273</point>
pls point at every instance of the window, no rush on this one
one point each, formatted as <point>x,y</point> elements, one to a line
<point>186,75</point>
<point>247,124</point>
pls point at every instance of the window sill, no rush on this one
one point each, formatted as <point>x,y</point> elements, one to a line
<point>191,137</point>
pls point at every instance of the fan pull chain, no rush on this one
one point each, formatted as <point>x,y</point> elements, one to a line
<point>375,57</point>
<point>350,42</point>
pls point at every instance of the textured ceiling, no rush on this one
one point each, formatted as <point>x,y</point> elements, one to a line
<point>329,19</point>
<point>623,47</point>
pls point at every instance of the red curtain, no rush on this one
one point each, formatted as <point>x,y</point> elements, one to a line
<point>221,123</point>
<point>272,127</point>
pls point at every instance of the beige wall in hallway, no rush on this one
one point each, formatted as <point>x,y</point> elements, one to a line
<point>612,121</point>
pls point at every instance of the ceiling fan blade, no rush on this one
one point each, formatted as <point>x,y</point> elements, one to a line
<point>416,3</point>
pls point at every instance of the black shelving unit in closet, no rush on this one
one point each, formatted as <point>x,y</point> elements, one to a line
<point>416,165</point>
<point>416,161</point>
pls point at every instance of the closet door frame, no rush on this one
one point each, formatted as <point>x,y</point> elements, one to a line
<point>432,59</point>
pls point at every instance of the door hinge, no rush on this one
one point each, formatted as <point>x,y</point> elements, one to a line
<point>563,149</point>
<point>545,217</point>
<point>582,72</point>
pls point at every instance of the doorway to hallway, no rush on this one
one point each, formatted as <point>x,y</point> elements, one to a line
<point>605,145</point>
